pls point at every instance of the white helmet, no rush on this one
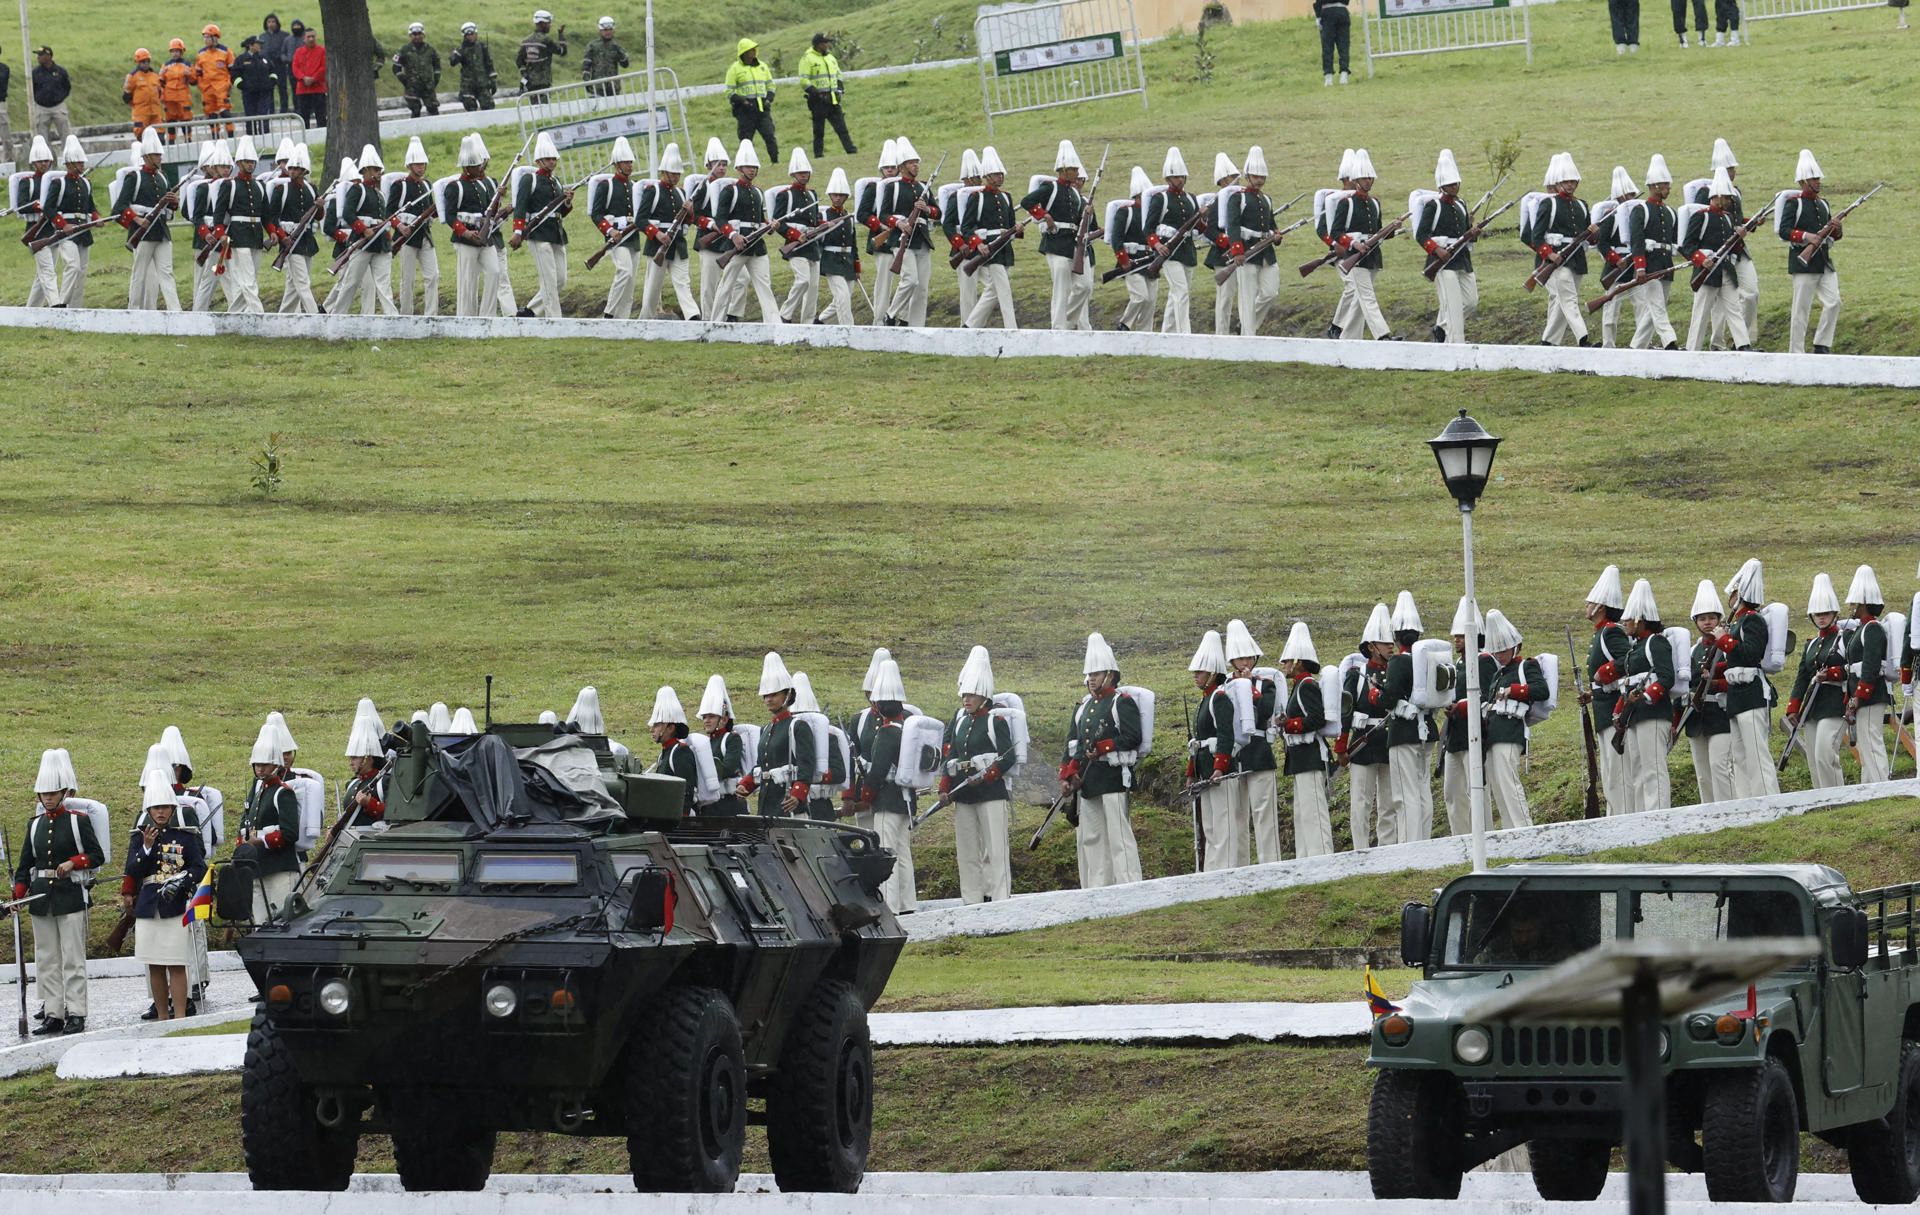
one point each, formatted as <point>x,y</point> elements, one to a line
<point>1175,165</point>
<point>416,152</point>
<point>176,748</point>
<point>1722,186</point>
<point>1066,158</point>
<point>1657,171</point>
<point>266,748</point>
<point>622,150</point>
<point>1299,644</point>
<point>1379,626</point>
<point>1808,166</point>
<point>468,27</point>
<point>243,150</point>
<point>40,151</point>
<point>542,15</point>
<point>463,722</point>
<point>1640,604</point>
<point>1501,635</point>
<point>364,738</point>
<point>873,668</point>
<point>976,677</point>
<point>888,158</point>
<point>773,674</point>
<point>666,708</point>
<point>837,184</point>
<point>1822,599</point>
<point>543,148</point>
<point>715,700</point>
<point>606,23</point>
<point>1706,600</point>
<point>746,157</point>
<point>72,152</point>
<point>1240,642</point>
<point>1606,589</point>
<point>887,684</point>
<point>969,163</point>
<point>804,701</point>
<point>1362,164</point>
<point>416,28</point>
<point>549,718</point>
<point>1099,657</point>
<point>278,721</point>
<point>1446,172</point>
<point>150,144</point>
<point>1750,583</point>
<point>1223,167</point>
<point>1723,156</point>
<point>990,161</point>
<point>440,718</point>
<point>716,151</point>
<point>1865,588</point>
<point>1256,162</point>
<point>903,149</point>
<point>52,778</point>
<point>1211,656</point>
<point>670,161</point>
<point>1622,183</point>
<point>585,712</point>
<point>1463,625</point>
<point>797,161</point>
<point>1405,614</point>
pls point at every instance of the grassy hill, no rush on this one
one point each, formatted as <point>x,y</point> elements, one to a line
<point>1845,81</point>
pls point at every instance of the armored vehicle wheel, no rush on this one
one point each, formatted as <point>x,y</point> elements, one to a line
<point>1569,1170</point>
<point>436,1146</point>
<point>285,1145</point>
<point>820,1108</point>
<point>1751,1135</point>
<point>686,1095</point>
<point>1412,1136</point>
<point>1884,1157</point>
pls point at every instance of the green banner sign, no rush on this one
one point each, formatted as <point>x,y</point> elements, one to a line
<point>1091,49</point>
<point>1416,8</point>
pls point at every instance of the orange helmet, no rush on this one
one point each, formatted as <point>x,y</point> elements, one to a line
<point>176,45</point>
<point>212,31</point>
<point>142,53</point>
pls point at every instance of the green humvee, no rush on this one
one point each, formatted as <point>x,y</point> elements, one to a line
<point>535,939</point>
<point>1831,1046</point>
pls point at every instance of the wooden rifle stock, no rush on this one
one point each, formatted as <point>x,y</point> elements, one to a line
<point>673,232</point>
<point>912,230</point>
<point>1367,246</point>
<point>1587,735</point>
<point>374,233</point>
<point>68,233</point>
<point>300,230</point>
<point>972,263</point>
<point>1086,218</point>
<point>1545,269</point>
<point>760,233</point>
<point>159,213</point>
<point>1740,234</point>
<point>1620,289</point>
<point>1436,264</point>
<point>1809,252</point>
<point>483,234</point>
<point>811,236</point>
<point>1152,268</point>
<point>1266,242</point>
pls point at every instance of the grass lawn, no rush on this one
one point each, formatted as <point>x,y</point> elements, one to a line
<point>1847,81</point>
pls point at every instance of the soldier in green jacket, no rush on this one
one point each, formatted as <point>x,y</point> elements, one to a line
<point>1871,694</point>
<point>68,200</point>
<point>240,214</point>
<point>1653,238</point>
<point>740,217</point>
<point>986,215</point>
<point>410,203</point>
<point>1301,719</point>
<point>1256,795</point>
<point>1167,213</point>
<point>882,803</point>
<point>729,747</point>
<point>1353,218</point>
<point>865,207</point>
<point>417,65</point>
<point>537,52</point>
<point>1226,316</point>
<point>1220,832</point>
<point>1558,223</point>
<point>784,775</point>
<point>979,749</point>
<point>1439,226</point>
<point>537,195</point>
<point>271,824</point>
<point>1717,304</point>
<point>1409,738</point>
<point>474,58</point>
<point>1103,744</point>
<point>839,253</point>
<point>1362,744</point>
<point>1057,206</point>
<point>660,204</point>
<point>55,868</point>
<point>1709,729</point>
<point>1606,659</point>
<point>603,58</point>
<point>363,211</point>
<point>1517,684</point>
<point>1453,733</point>
<point>145,191</point>
<point>289,200</point>
<point>478,265</point>
<point>906,207</point>
<point>1646,710</point>
<point>1802,217</point>
<point>1127,237</point>
<point>610,205</point>
<point>797,208</point>
<point>1249,218</point>
<point>1820,688</point>
<point>668,725</point>
<point>364,798</point>
<point>1744,642</point>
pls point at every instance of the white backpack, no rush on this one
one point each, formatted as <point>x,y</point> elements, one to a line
<point>817,727</point>
<point>1008,707</point>
<point>1433,673</point>
<point>706,773</point>
<point>1538,711</point>
<point>1333,697</point>
<point>749,745</point>
<point>1240,695</point>
<point>98,813</point>
<point>1774,660</point>
<point>922,747</point>
<point>1144,698</point>
<point>1681,642</point>
<point>310,789</point>
<point>837,744</point>
<point>1896,627</point>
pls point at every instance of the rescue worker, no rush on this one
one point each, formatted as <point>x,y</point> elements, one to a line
<point>536,194</point>
<point>417,65</point>
<point>905,207</point>
<point>177,78</point>
<point>839,253</point>
<point>986,215</point>
<point>1801,217</point>
<point>142,193</point>
<point>750,93</point>
<point>213,72</point>
<point>57,861</point>
<point>363,209</point>
<point>1518,683</point>
<point>1167,212</point>
<point>796,209</point>
<point>240,213</point>
<point>603,58</point>
<point>537,52</point>
<point>68,201</point>
<point>410,204</point>
<point>1439,226</point>
<point>979,749</point>
<point>1103,743</point>
<point>826,94</point>
<point>661,202</point>
<point>141,91</point>
<point>668,725</point>
<point>1648,676</point>
<point>1709,730</point>
<point>741,213</point>
<point>1256,795</point>
<point>1373,813</point>
<point>1820,689</point>
<point>271,824</point>
<point>610,205</point>
<point>1057,206</point>
<point>1301,718</point>
<point>474,58</point>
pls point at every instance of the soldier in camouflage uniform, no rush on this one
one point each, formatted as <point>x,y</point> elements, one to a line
<point>603,58</point>
<point>474,58</point>
<point>537,52</point>
<point>417,65</point>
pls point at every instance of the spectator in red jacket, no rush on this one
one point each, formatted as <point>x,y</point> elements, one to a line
<point>310,80</point>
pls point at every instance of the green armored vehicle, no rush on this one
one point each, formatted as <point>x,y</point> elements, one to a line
<point>535,939</point>
<point>1831,1046</point>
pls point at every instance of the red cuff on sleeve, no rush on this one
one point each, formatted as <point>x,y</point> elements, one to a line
<point>992,774</point>
<point>20,892</point>
<point>1294,725</point>
<point>799,790</point>
<point>1221,763</point>
<point>273,840</point>
<point>1655,693</point>
<point>1607,673</point>
<point>1519,692</point>
<point>1103,747</point>
<point>1793,706</point>
<point>128,885</point>
<point>81,861</point>
<point>1725,643</point>
<point>374,809</point>
<point>1640,263</point>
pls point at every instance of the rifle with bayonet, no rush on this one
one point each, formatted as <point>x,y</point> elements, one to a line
<point>68,232</point>
<point>674,230</point>
<point>811,236</point>
<point>946,799</point>
<point>970,263</point>
<point>1199,824</point>
<point>1619,288</point>
<point>378,229</point>
<point>1082,232</point>
<point>565,199</point>
<point>1349,258</point>
<point>290,240</point>
<point>1698,695</point>
<point>1814,688</point>
<point>482,233</point>
<point>1544,271</point>
<point>1263,244</point>
<point>1151,269</point>
<point>1067,802</point>
<point>1811,249</point>
<point>1733,245</point>
<point>921,209</point>
<point>1593,809</point>
<point>760,232</point>
<point>1437,263</point>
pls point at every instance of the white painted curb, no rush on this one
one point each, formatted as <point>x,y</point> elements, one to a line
<point>36,1053</point>
<point>1581,836</point>
<point>153,1057</point>
<point>1806,370</point>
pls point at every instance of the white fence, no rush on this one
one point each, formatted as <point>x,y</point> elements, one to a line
<point>1036,56</point>
<point>586,116</point>
<point>1767,10</point>
<point>182,140</point>
<point>1392,28</point>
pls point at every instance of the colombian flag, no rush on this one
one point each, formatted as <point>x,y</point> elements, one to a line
<point>1377,1001</point>
<point>201,908</point>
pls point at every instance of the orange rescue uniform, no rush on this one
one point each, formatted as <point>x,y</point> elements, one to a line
<point>142,92</point>
<point>214,67</point>
<point>176,89</point>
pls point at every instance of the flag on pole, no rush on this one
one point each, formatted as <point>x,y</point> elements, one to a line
<point>201,908</point>
<point>1377,1001</point>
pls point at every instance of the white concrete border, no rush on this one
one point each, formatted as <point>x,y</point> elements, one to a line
<point>1836,371</point>
<point>36,1053</point>
<point>1575,838</point>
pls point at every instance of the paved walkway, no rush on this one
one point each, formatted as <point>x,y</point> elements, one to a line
<point>114,1006</point>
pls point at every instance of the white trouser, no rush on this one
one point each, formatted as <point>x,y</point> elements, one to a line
<point>882,283</point>
<point>424,261</point>
<point>73,279</point>
<point>712,303</point>
<point>1142,295</point>
<point>625,260</point>
<point>1747,276</point>
<point>1371,806</point>
<point>472,279</point>
<point>992,292</point>
<point>550,264</point>
<point>1177,317</point>
<point>152,279</point>
<point>1225,827</point>
<point>678,270</point>
<point>1412,792</point>
<point>1257,798</point>
<point>1870,739</point>
<point>1107,851</point>
<point>980,849</point>
<point>1346,309</point>
<point>1648,787</point>
<point>199,969</point>
<point>1750,754</point>
<point>1651,325</point>
<point>1565,313</point>
<point>909,302</point>
<point>503,302</point>
<point>1823,740</point>
<point>45,291</point>
<point>1713,766</point>
<point>1610,322</point>
<point>60,962</point>
<point>969,291</point>
<point>1459,296</point>
<point>1806,289</point>
<point>1455,792</point>
<point>803,298</point>
<point>1503,785</point>
<point>896,836</point>
<point>296,294</point>
<point>744,273</point>
<point>206,282</point>
<point>1367,307</point>
<point>1226,297</point>
<point>243,280</point>
<point>1258,294</point>
<point>1614,778</point>
<point>1312,820</point>
<point>1716,309</point>
<point>270,894</point>
<point>840,296</point>
<point>370,276</point>
<point>1072,293</point>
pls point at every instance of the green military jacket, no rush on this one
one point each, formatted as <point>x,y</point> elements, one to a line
<point>611,202</point>
<point>141,195</point>
<point>1361,683</point>
<point>804,207</point>
<point>1167,212</point>
<point>1524,683</point>
<point>537,191</point>
<point>409,200</point>
<point>1249,218</point>
<point>1357,216</point>
<point>1257,754</point>
<point>1562,217</point>
<point>986,214</point>
<point>603,57</point>
<point>1103,726</point>
<point>781,748</point>
<point>1211,751</point>
<point>1652,655</point>
<point>472,197</point>
<point>1706,232</point>
<point>1799,213</point>
<point>979,734</point>
<point>1395,690</point>
<point>1605,660</point>
<point>1707,717</point>
<point>71,198</point>
<point>535,59</point>
<point>374,810</point>
<point>289,204</point>
<point>1823,652</point>
<point>475,61</point>
<point>658,207</point>
<point>1061,203</point>
<point>1454,729</point>
<point>53,838</point>
<point>676,759</point>
<point>1652,235</point>
<point>878,791</point>
<point>1444,218</point>
<point>840,248</point>
<point>1301,719</point>
<point>240,207</point>
<point>865,207</point>
<point>273,806</point>
<point>740,208</point>
<point>1866,661</point>
<point>418,68</point>
<point>898,199</point>
<point>363,203</point>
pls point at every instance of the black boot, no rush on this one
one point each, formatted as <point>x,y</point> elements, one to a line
<point>1823,350</point>
<point>733,320</point>
<point>75,1025</point>
<point>193,1008</point>
<point>1439,334</point>
<point>152,1014</point>
<point>1392,337</point>
<point>1588,343</point>
<point>1747,348</point>
<point>40,1016</point>
<point>1672,346</point>
<point>1333,333</point>
<point>1545,342</point>
<point>50,1027</point>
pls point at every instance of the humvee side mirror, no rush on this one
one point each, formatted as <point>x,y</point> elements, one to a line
<point>1416,933</point>
<point>1849,938</point>
<point>651,909</point>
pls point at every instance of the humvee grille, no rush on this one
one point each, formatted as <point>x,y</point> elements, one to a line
<point>1561,1045</point>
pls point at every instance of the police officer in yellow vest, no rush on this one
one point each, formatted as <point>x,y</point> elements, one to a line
<point>826,93</point>
<point>750,93</point>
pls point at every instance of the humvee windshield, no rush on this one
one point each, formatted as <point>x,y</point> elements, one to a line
<point>1519,926</point>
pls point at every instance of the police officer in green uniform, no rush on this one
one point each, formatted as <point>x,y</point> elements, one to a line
<point>55,868</point>
<point>474,58</point>
<point>603,58</point>
<point>417,65</point>
<point>537,52</point>
<point>1820,689</point>
<point>271,824</point>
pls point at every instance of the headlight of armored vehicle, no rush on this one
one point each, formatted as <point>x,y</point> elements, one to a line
<point>1666,1044</point>
<point>1472,1044</point>
<point>335,997</point>
<point>501,1000</point>
<point>1396,1029</point>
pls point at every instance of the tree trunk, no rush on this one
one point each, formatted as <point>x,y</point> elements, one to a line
<point>353,115</point>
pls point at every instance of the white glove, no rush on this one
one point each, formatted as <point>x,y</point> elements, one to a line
<point>1166,231</point>
<point>1742,675</point>
<point>955,767</point>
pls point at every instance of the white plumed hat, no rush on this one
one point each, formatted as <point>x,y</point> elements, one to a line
<point>1808,166</point>
<point>797,162</point>
<point>1501,635</point>
<point>1462,625</point>
<point>715,699</point>
<point>1299,644</point>
<point>746,157</point>
<point>1622,183</point>
<point>1446,172</point>
<point>1405,614</point>
<point>976,677</point>
<point>666,707</point>
<point>1099,657</point>
<point>1606,590</point>
<point>1175,165</point>
<point>670,161</point>
<point>1865,587</point>
<point>586,712</point>
<point>1240,642</point>
<point>1640,604</point>
<point>463,722</point>
<point>1750,583</point>
<point>1723,155</point>
<point>543,147</point>
<point>837,184</point>
<point>440,718</point>
<point>774,676</point>
<point>1822,599</point>
<point>1379,625</point>
<point>1657,171</point>
<point>1066,158</point>
<point>887,684</point>
<point>1223,167</point>
<point>1706,600</point>
<point>266,747</point>
<point>51,778</point>
<point>804,701</point>
<point>1211,656</point>
<point>1256,162</point>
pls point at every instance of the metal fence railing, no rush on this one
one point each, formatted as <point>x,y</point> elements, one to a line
<point>1768,10</point>
<point>584,116</point>
<point>1392,28</point>
<point>182,140</point>
<point>1036,56</point>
